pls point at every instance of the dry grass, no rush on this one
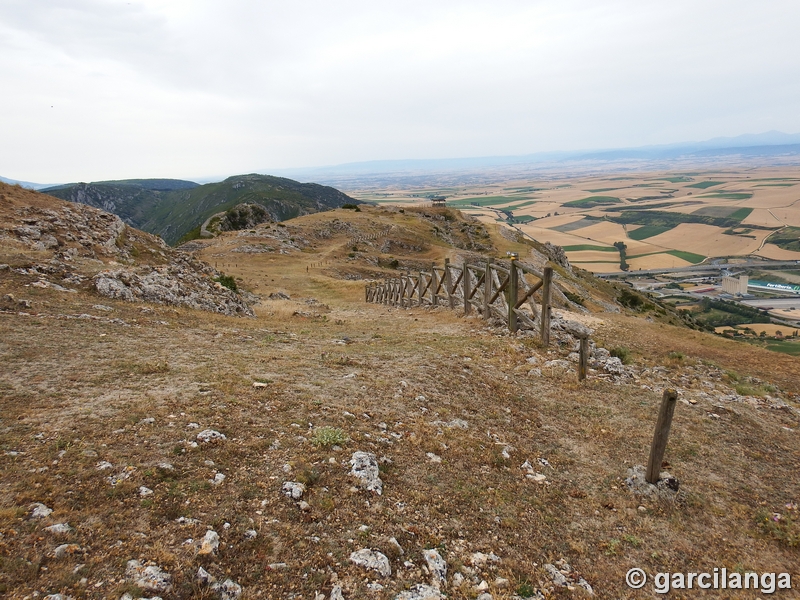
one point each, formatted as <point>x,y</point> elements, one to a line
<point>76,392</point>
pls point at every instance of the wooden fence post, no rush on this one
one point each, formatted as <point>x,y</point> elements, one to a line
<point>467,287</point>
<point>512,297</point>
<point>487,290</point>
<point>583,361</point>
<point>661,435</point>
<point>420,285</point>
<point>434,285</point>
<point>448,283</point>
<point>545,319</point>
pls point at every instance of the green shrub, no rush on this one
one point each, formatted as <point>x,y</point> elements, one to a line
<point>622,353</point>
<point>329,436</point>
<point>227,281</point>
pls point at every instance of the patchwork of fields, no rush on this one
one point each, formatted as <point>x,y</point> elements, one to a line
<point>664,219</point>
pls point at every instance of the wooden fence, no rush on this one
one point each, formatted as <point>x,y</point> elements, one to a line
<point>500,289</point>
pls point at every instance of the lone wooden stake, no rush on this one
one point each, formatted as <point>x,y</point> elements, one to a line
<point>487,289</point>
<point>545,318</point>
<point>512,297</point>
<point>583,362</point>
<point>467,288</point>
<point>661,435</point>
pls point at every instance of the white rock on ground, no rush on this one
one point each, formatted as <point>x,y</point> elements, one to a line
<point>336,593</point>
<point>65,550</point>
<point>59,528</point>
<point>293,489</point>
<point>226,590</point>
<point>437,567</point>
<point>208,436</point>
<point>372,559</point>
<point>365,468</point>
<point>210,543</point>
<point>37,510</point>
<point>150,578</point>
<point>420,592</point>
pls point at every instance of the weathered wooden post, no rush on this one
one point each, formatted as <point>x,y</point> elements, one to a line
<point>420,283</point>
<point>661,435</point>
<point>512,294</point>
<point>467,288</point>
<point>583,361</point>
<point>402,291</point>
<point>434,285</point>
<point>545,319</point>
<point>448,283</point>
<point>487,289</point>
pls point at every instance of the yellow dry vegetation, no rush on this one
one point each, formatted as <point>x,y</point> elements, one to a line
<point>762,217</point>
<point>708,240</point>
<point>777,253</point>
<point>657,261</point>
<point>593,256</point>
<point>600,267</point>
<point>769,328</point>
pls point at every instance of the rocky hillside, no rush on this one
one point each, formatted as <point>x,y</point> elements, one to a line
<point>67,247</point>
<point>333,449</point>
<point>176,209</point>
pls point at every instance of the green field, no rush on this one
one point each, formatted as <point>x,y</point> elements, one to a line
<point>687,256</point>
<point>790,347</point>
<point>729,195</point>
<point>740,214</point>
<point>774,184</point>
<point>676,179</point>
<point>521,204</point>
<point>599,190</point>
<point>648,231</point>
<point>592,201</point>
<point>580,247</point>
<point>705,184</point>
<point>484,201</point>
<point>787,238</point>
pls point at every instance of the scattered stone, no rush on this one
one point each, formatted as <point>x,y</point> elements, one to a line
<point>304,506</point>
<point>365,468</point>
<point>145,491</point>
<point>485,596</point>
<point>59,528</point>
<point>420,591</point>
<point>434,458</point>
<point>150,578</point>
<point>218,478</point>
<point>37,510</point>
<point>66,550</point>
<point>259,384</point>
<point>278,296</point>
<point>210,543</point>
<point>480,560</point>
<point>501,583</point>
<point>481,587</point>
<point>209,436</point>
<point>336,593</point>
<point>555,575</point>
<point>558,365</point>
<point>437,567</point>
<point>396,545</point>
<point>666,488</point>
<point>250,534</point>
<point>57,597</point>
<point>293,489</point>
<point>372,559</point>
<point>226,590</point>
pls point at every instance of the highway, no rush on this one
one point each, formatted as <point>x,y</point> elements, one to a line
<point>701,268</point>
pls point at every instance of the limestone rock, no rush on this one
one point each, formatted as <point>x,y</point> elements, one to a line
<point>372,559</point>
<point>37,510</point>
<point>209,436</point>
<point>59,528</point>
<point>293,489</point>
<point>437,566</point>
<point>210,543</point>
<point>365,467</point>
<point>420,591</point>
<point>150,578</point>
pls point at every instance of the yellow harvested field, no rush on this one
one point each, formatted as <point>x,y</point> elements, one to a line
<point>549,222</point>
<point>600,267</point>
<point>708,240</point>
<point>763,217</point>
<point>777,253</point>
<point>789,215</point>
<point>657,261</point>
<point>552,236</point>
<point>769,328</point>
<point>593,256</point>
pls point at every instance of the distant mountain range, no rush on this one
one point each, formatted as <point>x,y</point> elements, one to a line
<point>771,143</point>
<point>175,209</point>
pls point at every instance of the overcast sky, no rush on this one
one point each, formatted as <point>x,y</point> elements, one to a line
<point>100,89</point>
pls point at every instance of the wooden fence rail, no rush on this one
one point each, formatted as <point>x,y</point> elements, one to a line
<point>500,289</point>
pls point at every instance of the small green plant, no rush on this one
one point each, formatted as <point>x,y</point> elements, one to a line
<point>574,298</point>
<point>674,355</point>
<point>525,589</point>
<point>227,281</point>
<point>782,527</point>
<point>329,436</point>
<point>622,353</point>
